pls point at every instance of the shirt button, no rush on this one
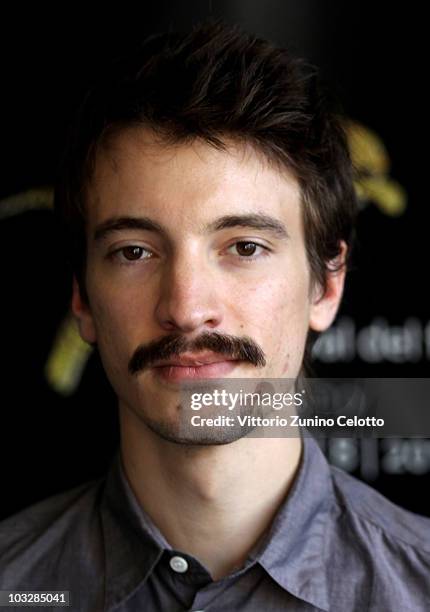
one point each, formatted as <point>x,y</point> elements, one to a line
<point>178,564</point>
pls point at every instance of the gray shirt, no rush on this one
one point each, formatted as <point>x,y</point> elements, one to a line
<point>335,544</point>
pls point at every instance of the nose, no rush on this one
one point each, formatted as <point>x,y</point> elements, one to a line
<point>189,297</point>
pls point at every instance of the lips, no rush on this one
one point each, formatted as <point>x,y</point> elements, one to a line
<point>189,366</point>
<point>196,360</point>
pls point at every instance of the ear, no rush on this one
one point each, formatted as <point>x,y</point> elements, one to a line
<point>83,316</point>
<point>325,306</point>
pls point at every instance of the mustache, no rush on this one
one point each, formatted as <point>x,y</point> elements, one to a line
<point>242,348</point>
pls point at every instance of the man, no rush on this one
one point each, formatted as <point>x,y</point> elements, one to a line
<point>207,193</point>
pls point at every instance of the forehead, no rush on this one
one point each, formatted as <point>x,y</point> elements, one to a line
<point>137,173</point>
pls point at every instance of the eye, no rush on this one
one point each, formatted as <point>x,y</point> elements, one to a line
<point>247,249</point>
<point>131,253</point>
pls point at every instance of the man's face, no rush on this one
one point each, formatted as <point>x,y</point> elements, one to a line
<point>221,254</point>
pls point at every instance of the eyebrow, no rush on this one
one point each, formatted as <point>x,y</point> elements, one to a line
<point>255,220</point>
<point>117,224</point>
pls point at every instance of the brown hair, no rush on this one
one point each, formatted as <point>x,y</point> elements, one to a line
<point>213,83</point>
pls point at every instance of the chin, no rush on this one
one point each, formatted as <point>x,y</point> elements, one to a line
<point>196,437</point>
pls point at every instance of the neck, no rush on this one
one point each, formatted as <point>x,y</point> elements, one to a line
<point>213,502</point>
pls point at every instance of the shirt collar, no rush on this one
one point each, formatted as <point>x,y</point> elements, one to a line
<point>132,548</point>
<point>292,553</point>
<point>293,550</point>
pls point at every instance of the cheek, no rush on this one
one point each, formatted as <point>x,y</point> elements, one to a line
<point>114,327</point>
<point>118,309</point>
<point>275,306</point>
<point>118,337</point>
<point>276,315</point>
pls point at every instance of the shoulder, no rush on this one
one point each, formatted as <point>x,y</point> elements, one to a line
<point>385,547</point>
<point>41,540</point>
<point>54,512</point>
<point>367,506</point>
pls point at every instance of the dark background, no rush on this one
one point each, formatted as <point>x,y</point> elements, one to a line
<point>374,56</point>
